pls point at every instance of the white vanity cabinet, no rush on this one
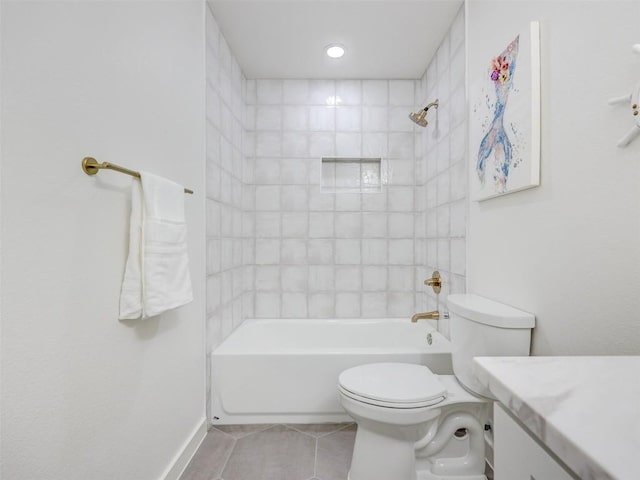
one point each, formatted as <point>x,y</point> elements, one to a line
<point>518,456</point>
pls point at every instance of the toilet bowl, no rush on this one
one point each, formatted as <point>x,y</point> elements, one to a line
<point>409,419</point>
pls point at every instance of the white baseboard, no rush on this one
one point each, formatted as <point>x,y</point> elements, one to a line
<point>186,453</point>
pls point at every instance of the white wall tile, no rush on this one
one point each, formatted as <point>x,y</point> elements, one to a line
<point>374,278</point>
<point>322,118</point>
<point>267,251</point>
<point>347,305</point>
<point>295,225</point>
<point>267,197</point>
<point>348,119</point>
<point>374,225</point>
<point>321,305</point>
<point>401,92</point>
<point>348,202</point>
<point>374,252</point>
<point>348,279</point>
<point>374,201</point>
<point>268,144</point>
<point>268,304</point>
<point>294,305</point>
<point>348,144</point>
<point>267,171</point>
<point>348,225</point>
<point>374,305</point>
<point>295,144</point>
<point>400,199</point>
<point>401,279</point>
<point>400,304</point>
<point>321,278</point>
<point>294,198</point>
<point>294,171</point>
<point>401,225</point>
<point>322,92</point>
<point>267,224</point>
<point>293,251</point>
<point>347,252</point>
<point>268,118</point>
<point>442,214</point>
<point>320,251</point>
<point>401,145</point>
<point>295,118</point>
<point>375,119</point>
<point>320,201</point>
<point>401,252</point>
<point>375,92</point>
<point>349,91</point>
<point>296,92</point>
<point>269,92</point>
<point>294,278</point>
<point>458,219</point>
<point>267,278</point>
<point>458,256</point>
<point>399,120</point>
<point>322,145</point>
<point>374,145</point>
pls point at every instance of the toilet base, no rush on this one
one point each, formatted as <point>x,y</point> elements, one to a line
<point>378,456</point>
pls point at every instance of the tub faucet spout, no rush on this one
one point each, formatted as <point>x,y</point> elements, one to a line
<point>435,315</point>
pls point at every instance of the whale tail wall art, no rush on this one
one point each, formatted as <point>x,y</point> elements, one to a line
<point>505,120</point>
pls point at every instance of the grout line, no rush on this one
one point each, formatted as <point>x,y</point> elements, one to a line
<point>224,465</point>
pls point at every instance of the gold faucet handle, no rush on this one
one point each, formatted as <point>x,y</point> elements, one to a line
<point>434,282</point>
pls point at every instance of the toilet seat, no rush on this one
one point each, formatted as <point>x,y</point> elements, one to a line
<point>392,385</point>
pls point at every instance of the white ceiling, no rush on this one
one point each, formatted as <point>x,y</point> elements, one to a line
<point>383,39</point>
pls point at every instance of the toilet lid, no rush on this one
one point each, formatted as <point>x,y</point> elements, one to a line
<point>393,384</point>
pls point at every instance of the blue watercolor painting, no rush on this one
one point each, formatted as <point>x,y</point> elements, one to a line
<point>496,143</point>
<point>505,110</point>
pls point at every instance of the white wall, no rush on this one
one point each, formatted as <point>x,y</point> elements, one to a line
<point>568,251</point>
<point>85,396</point>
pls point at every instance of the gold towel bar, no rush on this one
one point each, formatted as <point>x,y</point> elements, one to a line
<point>90,166</point>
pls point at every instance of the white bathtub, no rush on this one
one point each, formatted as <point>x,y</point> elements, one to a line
<point>286,371</point>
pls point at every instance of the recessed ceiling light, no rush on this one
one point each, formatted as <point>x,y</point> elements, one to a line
<point>334,51</point>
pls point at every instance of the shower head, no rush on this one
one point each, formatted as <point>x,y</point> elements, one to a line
<point>420,118</point>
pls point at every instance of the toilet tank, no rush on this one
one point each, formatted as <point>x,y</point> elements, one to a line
<point>480,327</point>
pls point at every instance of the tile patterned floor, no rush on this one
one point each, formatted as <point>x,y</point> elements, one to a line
<point>274,452</point>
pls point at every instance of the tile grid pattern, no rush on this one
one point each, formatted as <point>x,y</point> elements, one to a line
<point>322,254</point>
<point>229,281</point>
<point>444,175</point>
<point>274,452</point>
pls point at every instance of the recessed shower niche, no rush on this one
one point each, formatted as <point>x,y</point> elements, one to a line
<point>351,175</point>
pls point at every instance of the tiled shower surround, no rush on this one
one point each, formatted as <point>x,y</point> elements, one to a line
<point>443,183</point>
<point>323,254</point>
<point>282,246</point>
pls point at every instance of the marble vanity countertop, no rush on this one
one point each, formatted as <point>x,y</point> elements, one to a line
<point>586,410</point>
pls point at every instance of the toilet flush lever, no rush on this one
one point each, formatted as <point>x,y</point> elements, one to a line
<point>434,282</point>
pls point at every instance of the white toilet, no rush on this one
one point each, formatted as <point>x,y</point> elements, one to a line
<point>411,422</point>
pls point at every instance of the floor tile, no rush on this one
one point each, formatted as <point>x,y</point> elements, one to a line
<point>333,457</point>
<point>239,431</point>
<point>209,460</point>
<point>318,429</point>
<point>278,453</point>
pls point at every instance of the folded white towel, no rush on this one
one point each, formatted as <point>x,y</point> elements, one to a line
<point>156,277</point>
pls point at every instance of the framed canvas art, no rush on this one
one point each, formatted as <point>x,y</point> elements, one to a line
<point>504,125</point>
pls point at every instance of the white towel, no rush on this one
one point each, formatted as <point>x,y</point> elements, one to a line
<point>156,277</point>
